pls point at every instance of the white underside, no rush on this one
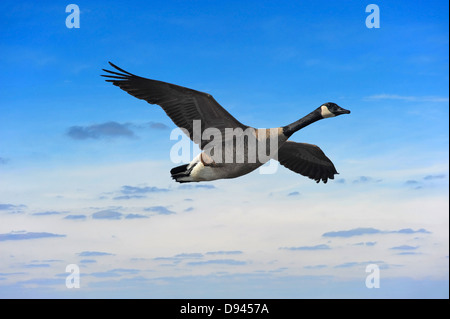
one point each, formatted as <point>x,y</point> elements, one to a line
<point>202,172</point>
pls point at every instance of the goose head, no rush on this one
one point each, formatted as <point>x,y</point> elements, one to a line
<point>331,110</point>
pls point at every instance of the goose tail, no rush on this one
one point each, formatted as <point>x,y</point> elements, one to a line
<point>182,174</point>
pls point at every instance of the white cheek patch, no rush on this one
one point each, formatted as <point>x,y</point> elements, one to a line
<point>325,112</point>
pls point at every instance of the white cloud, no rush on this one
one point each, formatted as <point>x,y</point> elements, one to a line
<point>251,226</point>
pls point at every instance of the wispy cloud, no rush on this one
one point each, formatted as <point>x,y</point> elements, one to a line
<point>367,243</point>
<point>44,282</point>
<point>371,231</point>
<point>122,197</point>
<point>294,194</point>
<point>133,190</point>
<point>175,260</point>
<point>189,255</point>
<point>136,192</point>
<point>114,273</point>
<point>10,207</point>
<point>94,253</point>
<point>27,235</point>
<point>316,247</point>
<point>75,217</point>
<point>404,247</point>
<point>315,266</point>
<point>98,131</point>
<point>111,130</point>
<point>407,98</point>
<point>104,274</point>
<point>52,260</point>
<point>351,264</point>
<point>6,274</point>
<point>135,216</point>
<point>46,213</point>
<point>366,179</point>
<point>432,177</point>
<point>107,214</point>
<point>347,265</point>
<point>416,184</point>
<point>147,126</point>
<point>37,265</point>
<point>352,232</point>
<point>225,252</point>
<point>190,186</point>
<point>409,231</point>
<point>160,210</point>
<point>230,262</point>
<point>199,261</point>
<point>155,126</point>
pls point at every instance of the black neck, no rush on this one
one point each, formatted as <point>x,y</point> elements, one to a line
<point>312,117</point>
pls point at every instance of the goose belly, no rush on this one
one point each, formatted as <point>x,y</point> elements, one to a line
<point>202,172</point>
<point>234,161</point>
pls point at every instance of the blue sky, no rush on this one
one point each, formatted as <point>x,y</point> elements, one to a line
<point>84,167</point>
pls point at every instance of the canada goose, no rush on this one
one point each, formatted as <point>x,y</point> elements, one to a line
<point>188,108</point>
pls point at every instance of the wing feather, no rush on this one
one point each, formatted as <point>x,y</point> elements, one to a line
<point>308,160</point>
<point>181,104</point>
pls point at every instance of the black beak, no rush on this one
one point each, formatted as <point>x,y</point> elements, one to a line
<point>342,111</point>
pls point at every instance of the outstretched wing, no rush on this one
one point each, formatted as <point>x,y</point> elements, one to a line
<point>181,104</point>
<point>307,160</point>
